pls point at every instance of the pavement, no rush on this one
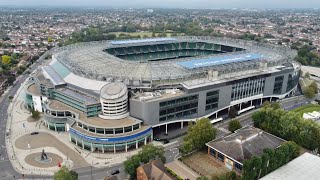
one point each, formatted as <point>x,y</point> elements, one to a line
<point>182,170</point>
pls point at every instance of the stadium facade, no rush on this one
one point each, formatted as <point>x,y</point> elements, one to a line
<point>111,95</point>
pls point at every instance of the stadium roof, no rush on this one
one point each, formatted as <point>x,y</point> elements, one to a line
<point>142,41</point>
<point>211,61</point>
<point>54,77</point>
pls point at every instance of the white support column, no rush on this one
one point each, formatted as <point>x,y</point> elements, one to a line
<point>75,138</point>
<point>261,101</point>
<point>166,128</point>
<point>137,146</point>
<point>182,125</point>
<point>91,147</point>
<point>271,99</point>
<point>216,115</point>
<point>69,137</point>
<point>145,140</point>
<point>240,106</point>
<point>152,136</point>
<point>114,148</point>
<point>102,148</point>
<point>48,125</point>
<point>82,145</point>
<point>126,146</point>
<point>114,131</point>
<point>251,102</point>
<point>229,108</point>
<point>55,127</point>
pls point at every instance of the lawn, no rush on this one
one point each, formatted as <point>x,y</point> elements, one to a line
<point>307,108</point>
<point>202,163</point>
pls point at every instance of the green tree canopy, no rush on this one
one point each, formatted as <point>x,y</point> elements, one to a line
<point>198,135</point>
<point>232,112</point>
<point>147,153</point>
<point>5,59</point>
<point>309,92</point>
<point>234,125</point>
<point>65,174</point>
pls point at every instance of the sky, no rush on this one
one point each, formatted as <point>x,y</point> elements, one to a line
<point>192,4</point>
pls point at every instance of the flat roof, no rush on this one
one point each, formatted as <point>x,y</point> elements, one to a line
<point>79,95</point>
<point>212,61</point>
<point>33,89</point>
<point>95,121</point>
<point>245,143</point>
<point>88,133</point>
<point>303,167</point>
<point>121,42</point>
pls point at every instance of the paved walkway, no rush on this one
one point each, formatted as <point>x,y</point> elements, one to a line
<point>53,142</point>
<point>182,170</point>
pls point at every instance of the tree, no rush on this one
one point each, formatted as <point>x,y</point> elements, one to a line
<point>11,79</point>
<point>198,135</point>
<point>49,39</point>
<point>232,112</point>
<point>231,175</point>
<point>234,125</point>
<point>202,178</point>
<point>314,86</point>
<point>309,92</point>
<point>10,98</point>
<point>65,174</point>
<point>6,59</point>
<point>35,114</point>
<point>147,153</point>
<point>266,104</point>
<point>275,105</point>
<point>307,75</point>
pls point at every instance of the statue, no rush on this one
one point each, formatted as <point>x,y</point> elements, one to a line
<point>43,155</point>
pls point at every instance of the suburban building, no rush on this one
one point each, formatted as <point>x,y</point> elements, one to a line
<point>234,149</point>
<point>303,167</point>
<point>153,170</point>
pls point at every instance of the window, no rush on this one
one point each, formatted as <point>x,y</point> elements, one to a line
<point>277,89</point>
<point>178,108</point>
<point>212,100</point>
<point>247,87</point>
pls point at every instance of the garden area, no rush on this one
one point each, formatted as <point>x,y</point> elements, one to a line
<point>307,108</point>
<point>202,163</point>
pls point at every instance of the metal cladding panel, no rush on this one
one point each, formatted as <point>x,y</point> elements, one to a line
<point>212,61</point>
<point>111,139</point>
<point>142,41</point>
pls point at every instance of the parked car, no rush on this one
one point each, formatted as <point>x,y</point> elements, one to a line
<point>115,172</point>
<point>34,133</point>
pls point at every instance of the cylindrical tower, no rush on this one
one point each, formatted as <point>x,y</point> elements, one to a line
<point>114,101</point>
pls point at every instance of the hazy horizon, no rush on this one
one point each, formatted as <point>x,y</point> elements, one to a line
<point>191,4</point>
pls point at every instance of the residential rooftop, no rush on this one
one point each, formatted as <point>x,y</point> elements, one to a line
<point>303,167</point>
<point>245,143</point>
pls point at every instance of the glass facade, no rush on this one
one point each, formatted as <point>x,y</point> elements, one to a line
<point>247,88</point>
<point>212,100</point>
<point>278,85</point>
<point>293,80</point>
<point>178,108</point>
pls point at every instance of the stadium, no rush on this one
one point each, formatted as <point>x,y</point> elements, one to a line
<point>114,96</point>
